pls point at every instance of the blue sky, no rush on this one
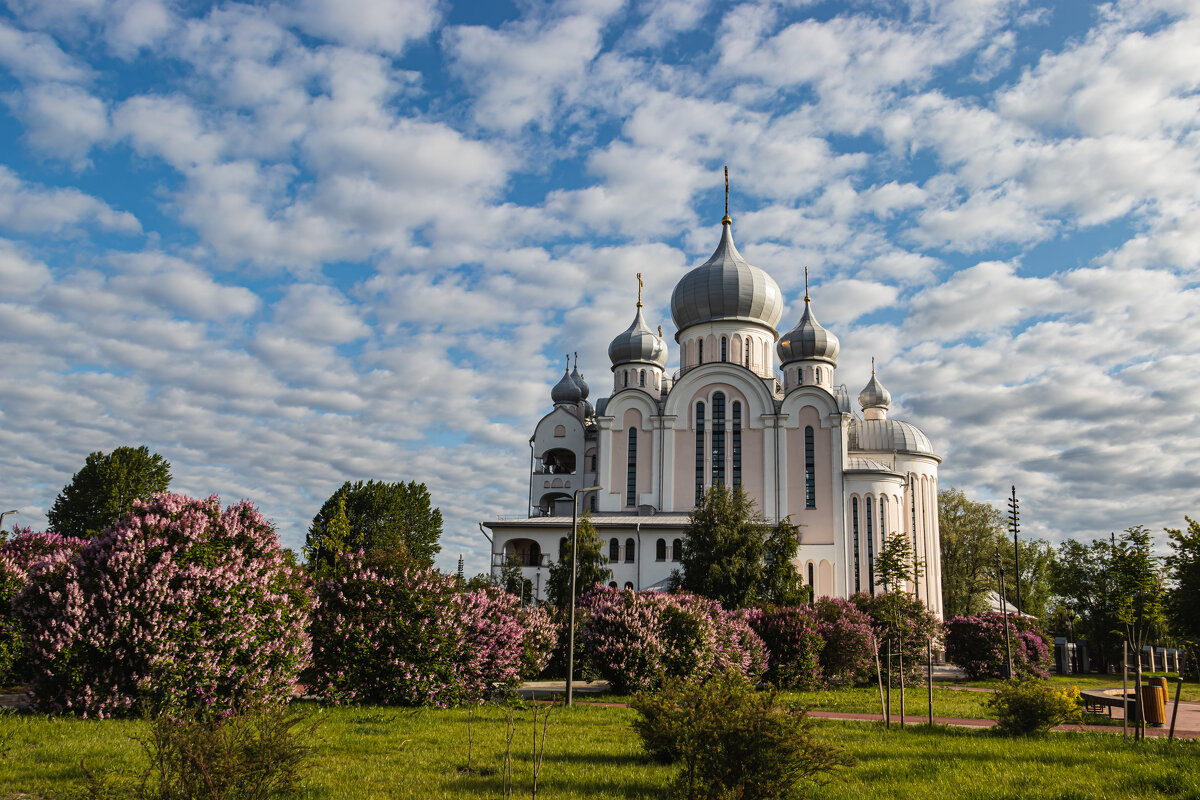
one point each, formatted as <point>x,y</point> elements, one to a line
<point>289,244</point>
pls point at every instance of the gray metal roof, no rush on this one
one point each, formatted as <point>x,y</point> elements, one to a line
<point>808,341</point>
<point>886,435</point>
<point>659,520</point>
<point>638,343</point>
<point>726,287</point>
<point>874,395</point>
<point>566,390</point>
<point>584,389</point>
<point>866,465</point>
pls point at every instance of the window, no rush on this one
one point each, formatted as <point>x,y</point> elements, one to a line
<point>626,377</point>
<point>630,549</point>
<point>614,550</point>
<point>699,452</point>
<point>700,351</point>
<point>810,580</point>
<point>870,548</point>
<point>631,471</point>
<point>676,549</point>
<point>562,545</point>
<point>629,586</point>
<point>737,444</point>
<point>642,378</point>
<point>854,524</point>
<point>612,584</point>
<point>593,460</point>
<point>560,431</point>
<point>660,550</point>
<point>724,349</point>
<point>817,375</point>
<point>810,470</point>
<point>718,439</point>
<point>747,353</point>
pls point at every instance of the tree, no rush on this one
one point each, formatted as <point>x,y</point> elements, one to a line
<point>1139,593</point>
<point>324,562</point>
<point>970,534</point>
<point>1183,602</point>
<point>590,571</point>
<point>1081,581</point>
<point>390,521</point>
<point>1037,565</point>
<point>103,491</point>
<point>513,581</point>
<point>782,584</point>
<point>724,547</point>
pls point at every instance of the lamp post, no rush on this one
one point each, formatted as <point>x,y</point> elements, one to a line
<point>574,569</point>
<point>4,514</point>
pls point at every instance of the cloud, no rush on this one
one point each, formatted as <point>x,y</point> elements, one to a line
<point>319,313</point>
<point>36,56</point>
<point>18,274</point>
<point>61,120</point>
<point>385,26</point>
<point>29,208</point>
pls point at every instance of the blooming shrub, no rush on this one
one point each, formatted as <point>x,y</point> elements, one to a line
<point>903,620</point>
<point>793,645</point>
<point>540,639</point>
<point>635,639</point>
<point>848,653</point>
<point>179,604</point>
<point>976,645</point>
<point>385,633</point>
<point>28,547</point>
<point>1030,705</point>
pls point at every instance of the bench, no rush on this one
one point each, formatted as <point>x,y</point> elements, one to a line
<point>1097,700</point>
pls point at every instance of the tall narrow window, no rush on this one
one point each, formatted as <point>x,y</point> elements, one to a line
<point>626,377</point>
<point>631,472</point>
<point>642,378</point>
<point>630,549</point>
<point>699,452</point>
<point>724,349</point>
<point>810,579</point>
<point>737,444</point>
<point>854,524</point>
<point>810,470</point>
<point>660,550</point>
<point>870,548</point>
<point>676,549</point>
<point>718,439</point>
<point>594,505</point>
<point>614,550</point>
<point>700,351</point>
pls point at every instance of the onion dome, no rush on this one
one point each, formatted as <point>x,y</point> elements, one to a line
<point>580,382</point>
<point>808,341</point>
<point>638,343</point>
<point>726,287</point>
<point>874,395</point>
<point>566,390</point>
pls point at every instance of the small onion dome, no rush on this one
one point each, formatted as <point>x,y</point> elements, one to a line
<point>874,395</point>
<point>566,390</point>
<point>726,287</point>
<point>808,341</point>
<point>638,343</point>
<point>581,383</point>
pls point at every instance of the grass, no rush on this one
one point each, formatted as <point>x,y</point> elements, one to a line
<point>1191,689</point>
<point>371,752</point>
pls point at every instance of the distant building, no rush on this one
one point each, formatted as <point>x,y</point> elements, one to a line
<point>792,441</point>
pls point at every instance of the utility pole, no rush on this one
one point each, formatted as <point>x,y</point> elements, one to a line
<point>1014,515</point>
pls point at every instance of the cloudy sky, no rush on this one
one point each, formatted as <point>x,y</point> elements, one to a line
<point>286,244</point>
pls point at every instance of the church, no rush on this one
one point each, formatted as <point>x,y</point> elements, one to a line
<point>788,435</point>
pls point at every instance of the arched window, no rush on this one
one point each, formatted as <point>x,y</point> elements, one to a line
<point>810,580</point>
<point>626,377</point>
<point>612,584</point>
<point>724,349</point>
<point>676,549</point>
<point>560,431</point>
<point>642,378</point>
<point>737,444</point>
<point>594,503</point>
<point>630,549</point>
<point>629,586</point>
<point>718,439</point>
<point>660,550</point>
<point>747,353</point>
<point>614,550</point>
<point>562,545</point>
<point>870,548</point>
<point>810,469</point>
<point>631,471</point>
<point>854,528</point>
<point>699,452</point>
<point>700,351</point>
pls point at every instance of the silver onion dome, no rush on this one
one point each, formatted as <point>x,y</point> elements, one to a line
<point>638,343</point>
<point>808,341</point>
<point>584,389</point>
<point>726,287</point>
<point>888,435</point>
<point>874,395</point>
<point>566,390</point>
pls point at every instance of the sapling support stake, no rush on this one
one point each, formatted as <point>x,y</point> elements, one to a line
<point>879,677</point>
<point>1175,711</point>
<point>888,715</point>
<point>900,656</point>
<point>929,677</point>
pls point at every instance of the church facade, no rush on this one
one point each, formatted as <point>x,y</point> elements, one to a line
<point>787,435</point>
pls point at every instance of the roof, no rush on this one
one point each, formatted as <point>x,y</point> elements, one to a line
<point>660,520</point>
<point>855,464</point>
<point>889,435</point>
<point>726,287</point>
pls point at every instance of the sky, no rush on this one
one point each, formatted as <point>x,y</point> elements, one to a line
<point>290,244</point>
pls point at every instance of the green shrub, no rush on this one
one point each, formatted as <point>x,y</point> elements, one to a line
<point>732,741</point>
<point>1030,705</point>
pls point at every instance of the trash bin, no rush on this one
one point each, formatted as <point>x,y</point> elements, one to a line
<point>1154,700</point>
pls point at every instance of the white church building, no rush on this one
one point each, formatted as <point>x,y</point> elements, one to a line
<point>788,434</point>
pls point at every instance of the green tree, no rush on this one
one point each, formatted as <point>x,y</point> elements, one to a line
<point>1140,593</point>
<point>513,581</point>
<point>782,583</point>
<point>392,521</point>
<point>970,534</point>
<point>1183,602</point>
<point>325,560</point>
<point>1037,566</point>
<point>1081,581</point>
<point>724,548</point>
<point>103,491</point>
<point>591,569</point>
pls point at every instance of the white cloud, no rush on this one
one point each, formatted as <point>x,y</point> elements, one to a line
<point>37,56</point>
<point>61,120</point>
<point>18,274</point>
<point>29,208</point>
<point>382,25</point>
<point>319,313</point>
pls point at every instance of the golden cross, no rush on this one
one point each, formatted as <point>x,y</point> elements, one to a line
<point>576,359</point>
<point>725,220</point>
<point>872,365</point>
<point>639,305</point>
<point>806,297</point>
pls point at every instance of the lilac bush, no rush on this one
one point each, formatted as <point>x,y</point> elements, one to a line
<point>541,632</point>
<point>907,623</point>
<point>396,635</point>
<point>848,653</point>
<point>793,644</point>
<point>636,639</point>
<point>976,645</point>
<point>178,604</point>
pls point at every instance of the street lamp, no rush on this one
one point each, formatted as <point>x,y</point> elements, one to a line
<point>4,514</point>
<point>574,569</point>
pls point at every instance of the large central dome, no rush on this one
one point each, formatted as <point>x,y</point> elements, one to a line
<point>727,287</point>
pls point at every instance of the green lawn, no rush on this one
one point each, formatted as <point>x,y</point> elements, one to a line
<point>1191,690</point>
<point>591,752</point>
